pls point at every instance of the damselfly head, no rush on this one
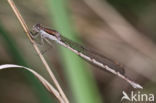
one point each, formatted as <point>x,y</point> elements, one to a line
<point>37,27</point>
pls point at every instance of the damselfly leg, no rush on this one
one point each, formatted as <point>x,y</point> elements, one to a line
<point>34,35</point>
<point>41,42</point>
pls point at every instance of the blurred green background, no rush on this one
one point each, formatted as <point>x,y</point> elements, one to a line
<point>123,30</point>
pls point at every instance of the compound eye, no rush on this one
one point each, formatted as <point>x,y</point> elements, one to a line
<point>38,26</point>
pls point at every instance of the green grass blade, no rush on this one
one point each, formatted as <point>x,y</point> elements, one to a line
<point>82,85</point>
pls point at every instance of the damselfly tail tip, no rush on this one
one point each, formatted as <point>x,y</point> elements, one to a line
<point>136,85</point>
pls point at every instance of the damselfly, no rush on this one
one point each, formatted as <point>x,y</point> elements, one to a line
<point>94,58</point>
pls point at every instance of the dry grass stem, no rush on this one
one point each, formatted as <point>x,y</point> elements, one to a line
<point>37,50</point>
<point>49,87</point>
